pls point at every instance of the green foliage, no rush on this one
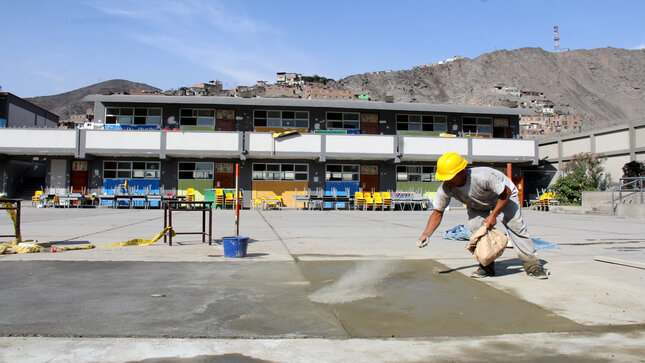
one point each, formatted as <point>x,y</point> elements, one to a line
<point>316,79</point>
<point>584,172</point>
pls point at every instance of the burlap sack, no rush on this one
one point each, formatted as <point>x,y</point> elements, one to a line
<point>486,245</point>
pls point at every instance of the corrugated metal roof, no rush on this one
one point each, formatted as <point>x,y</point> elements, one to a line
<point>328,104</point>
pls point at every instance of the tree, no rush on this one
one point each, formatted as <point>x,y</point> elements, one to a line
<point>584,172</point>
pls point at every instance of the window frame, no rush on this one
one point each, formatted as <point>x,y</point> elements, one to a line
<point>480,126</point>
<point>278,119</point>
<point>345,171</point>
<point>133,116</point>
<point>150,170</point>
<point>195,115</point>
<point>344,121</point>
<point>209,172</point>
<point>409,171</point>
<point>279,172</point>
<point>425,123</point>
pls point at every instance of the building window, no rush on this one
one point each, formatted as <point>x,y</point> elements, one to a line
<point>276,118</point>
<point>415,173</point>
<point>133,116</point>
<point>197,117</point>
<point>131,170</point>
<point>477,125</point>
<point>196,171</point>
<point>282,172</point>
<point>342,172</point>
<point>421,123</point>
<point>343,120</point>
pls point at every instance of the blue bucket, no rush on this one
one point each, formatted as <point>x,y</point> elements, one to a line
<point>235,246</point>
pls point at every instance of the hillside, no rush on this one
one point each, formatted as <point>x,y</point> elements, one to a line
<point>599,85</point>
<point>604,85</point>
<point>69,103</point>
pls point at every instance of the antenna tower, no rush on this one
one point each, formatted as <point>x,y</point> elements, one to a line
<point>556,41</point>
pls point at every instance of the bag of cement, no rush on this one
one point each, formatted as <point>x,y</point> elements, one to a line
<point>486,245</point>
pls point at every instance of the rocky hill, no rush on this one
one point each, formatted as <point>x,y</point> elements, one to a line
<point>69,103</point>
<point>598,85</point>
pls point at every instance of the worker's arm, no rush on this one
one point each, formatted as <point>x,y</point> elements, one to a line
<point>491,220</point>
<point>433,223</point>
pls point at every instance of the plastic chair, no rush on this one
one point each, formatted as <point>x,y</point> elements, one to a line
<point>257,203</point>
<point>359,200</point>
<point>190,195</point>
<point>387,200</point>
<point>378,201</point>
<point>369,202</point>
<point>229,200</point>
<point>35,200</point>
<point>219,198</point>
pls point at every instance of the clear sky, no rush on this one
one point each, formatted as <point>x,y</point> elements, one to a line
<point>49,47</point>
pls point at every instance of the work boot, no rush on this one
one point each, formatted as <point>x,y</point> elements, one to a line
<point>484,271</point>
<point>538,272</point>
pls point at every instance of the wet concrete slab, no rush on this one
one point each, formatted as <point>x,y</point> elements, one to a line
<point>414,298</point>
<point>251,299</point>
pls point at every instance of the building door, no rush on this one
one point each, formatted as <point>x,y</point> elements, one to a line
<point>79,176</point>
<point>224,175</point>
<point>369,123</point>
<point>58,176</point>
<point>369,178</point>
<point>500,128</point>
<point>225,120</point>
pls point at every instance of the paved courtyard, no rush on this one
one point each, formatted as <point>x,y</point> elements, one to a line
<point>329,286</point>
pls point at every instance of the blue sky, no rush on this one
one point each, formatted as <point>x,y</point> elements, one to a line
<point>50,47</point>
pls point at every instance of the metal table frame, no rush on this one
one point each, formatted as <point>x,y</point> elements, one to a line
<point>15,207</point>
<point>193,206</point>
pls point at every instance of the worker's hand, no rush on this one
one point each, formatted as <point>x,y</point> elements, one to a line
<point>423,241</point>
<point>490,221</point>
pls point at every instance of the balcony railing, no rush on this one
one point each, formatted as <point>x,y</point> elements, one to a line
<point>237,144</point>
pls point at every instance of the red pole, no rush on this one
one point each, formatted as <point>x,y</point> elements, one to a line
<point>509,170</point>
<point>237,204</point>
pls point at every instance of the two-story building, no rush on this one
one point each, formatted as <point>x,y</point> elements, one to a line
<point>172,143</point>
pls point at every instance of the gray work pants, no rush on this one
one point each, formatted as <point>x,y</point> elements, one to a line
<point>517,232</point>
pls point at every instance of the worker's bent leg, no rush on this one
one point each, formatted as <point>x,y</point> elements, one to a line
<point>519,235</point>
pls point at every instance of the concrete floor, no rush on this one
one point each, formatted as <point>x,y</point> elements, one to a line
<point>333,285</point>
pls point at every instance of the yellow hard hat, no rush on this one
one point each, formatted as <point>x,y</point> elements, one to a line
<point>449,165</point>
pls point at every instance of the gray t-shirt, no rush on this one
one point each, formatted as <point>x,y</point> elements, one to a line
<point>481,191</point>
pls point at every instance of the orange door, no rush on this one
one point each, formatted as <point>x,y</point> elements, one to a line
<point>79,176</point>
<point>369,178</point>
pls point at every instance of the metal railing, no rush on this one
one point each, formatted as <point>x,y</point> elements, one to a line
<point>632,187</point>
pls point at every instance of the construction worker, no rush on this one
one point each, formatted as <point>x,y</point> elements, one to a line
<point>487,193</point>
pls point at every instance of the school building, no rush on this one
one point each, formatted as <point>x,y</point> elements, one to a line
<point>168,144</point>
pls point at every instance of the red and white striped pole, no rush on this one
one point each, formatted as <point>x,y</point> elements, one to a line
<point>237,204</point>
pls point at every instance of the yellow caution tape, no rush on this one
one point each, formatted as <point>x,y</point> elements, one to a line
<point>15,247</point>
<point>143,242</point>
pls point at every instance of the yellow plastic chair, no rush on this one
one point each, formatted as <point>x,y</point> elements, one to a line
<point>257,203</point>
<point>219,198</point>
<point>359,200</point>
<point>369,202</point>
<point>229,200</point>
<point>387,200</point>
<point>378,201</point>
<point>190,195</point>
<point>35,200</point>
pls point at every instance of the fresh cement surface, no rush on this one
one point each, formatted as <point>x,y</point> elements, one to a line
<point>329,286</point>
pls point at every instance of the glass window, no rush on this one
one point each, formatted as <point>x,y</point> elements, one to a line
<point>277,118</point>
<point>415,173</point>
<point>196,170</point>
<point>343,120</point>
<point>286,172</point>
<point>338,172</point>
